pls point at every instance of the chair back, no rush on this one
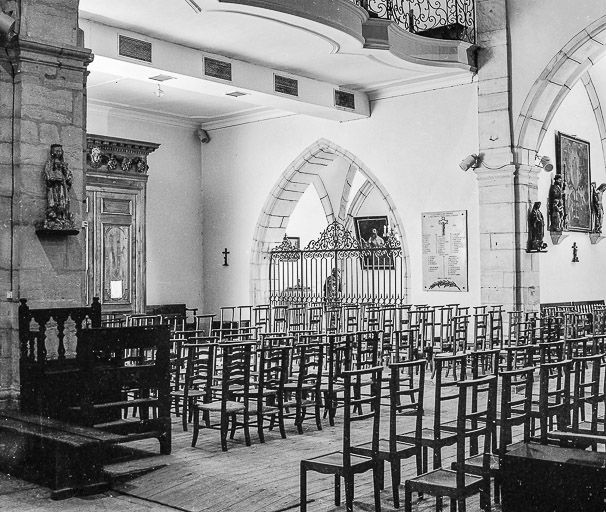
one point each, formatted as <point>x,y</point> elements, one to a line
<point>200,368</point>
<point>406,398</point>
<point>273,370</point>
<point>587,377</point>
<point>554,396</point>
<point>516,404</point>
<point>309,362</point>
<point>366,349</point>
<point>475,421</point>
<point>449,371</point>
<point>359,428</point>
<point>235,374</point>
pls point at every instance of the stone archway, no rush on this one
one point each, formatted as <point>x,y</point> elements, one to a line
<point>553,85</point>
<point>304,171</point>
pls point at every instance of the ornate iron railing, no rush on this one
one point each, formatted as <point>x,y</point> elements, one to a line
<point>337,269</point>
<point>443,19</point>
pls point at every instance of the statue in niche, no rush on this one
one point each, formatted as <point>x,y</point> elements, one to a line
<point>557,205</point>
<point>58,179</point>
<point>536,229</point>
<point>597,206</point>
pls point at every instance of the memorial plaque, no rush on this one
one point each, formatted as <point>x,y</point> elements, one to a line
<point>445,251</point>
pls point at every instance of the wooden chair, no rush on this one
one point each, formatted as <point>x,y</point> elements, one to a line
<point>554,398</point>
<point>442,433</point>
<point>235,376</point>
<point>514,410</point>
<point>346,464</point>
<point>471,424</point>
<point>583,432</point>
<point>197,380</point>
<point>304,391</point>
<point>267,394</point>
<point>338,359</point>
<point>406,398</point>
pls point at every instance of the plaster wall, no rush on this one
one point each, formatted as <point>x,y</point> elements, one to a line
<point>412,144</point>
<point>174,207</point>
<point>561,279</point>
<point>539,30</point>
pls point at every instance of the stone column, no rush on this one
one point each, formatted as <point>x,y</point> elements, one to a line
<point>42,102</point>
<point>507,181</point>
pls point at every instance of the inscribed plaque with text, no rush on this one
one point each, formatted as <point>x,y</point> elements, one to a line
<point>445,251</point>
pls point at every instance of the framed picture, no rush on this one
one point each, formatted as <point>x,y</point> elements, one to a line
<point>572,158</point>
<point>295,241</point>
<point>372,233</point>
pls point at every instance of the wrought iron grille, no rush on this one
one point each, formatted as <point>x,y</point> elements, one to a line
<point>337,269</point>
<point>445,19</point>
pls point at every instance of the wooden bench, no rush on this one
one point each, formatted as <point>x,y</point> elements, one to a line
<point>584,306</point>
<point>112,384</point>
<point>74,389</point>
<point>67,458</point>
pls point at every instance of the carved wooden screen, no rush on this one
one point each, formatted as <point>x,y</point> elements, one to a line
<point>364,274</point>
<point>116,197</point>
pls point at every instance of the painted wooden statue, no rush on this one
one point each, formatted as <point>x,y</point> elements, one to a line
<point>536,229</point>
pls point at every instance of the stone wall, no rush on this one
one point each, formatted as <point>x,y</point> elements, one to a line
<point>42,102</point>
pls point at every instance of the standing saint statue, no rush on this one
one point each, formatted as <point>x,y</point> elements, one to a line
<point>556,206</point>
<point>58,179</point>
<point>536,229</point>
<point>597,206</point>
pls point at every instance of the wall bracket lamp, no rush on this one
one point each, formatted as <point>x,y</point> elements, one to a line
<point>475,161</point>
<point>7,27</point>
<point>544,162</point>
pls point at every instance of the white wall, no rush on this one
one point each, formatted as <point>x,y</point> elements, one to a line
<point>174,220</point>
<point>412,144</point>
<point>561,279</point>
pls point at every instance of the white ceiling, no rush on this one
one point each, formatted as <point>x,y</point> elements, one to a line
<point>268,39</point>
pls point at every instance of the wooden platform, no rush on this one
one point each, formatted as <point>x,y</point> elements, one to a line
<point>259,478</point>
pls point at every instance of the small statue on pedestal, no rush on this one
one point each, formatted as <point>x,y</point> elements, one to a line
<point>58,179</point>
<point>536,229</point>
<point>597,206</point>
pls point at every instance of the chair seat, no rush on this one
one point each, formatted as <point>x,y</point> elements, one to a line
<point>192,393</point>
<point>475,463</point>
<point>335,460</point>
<point>230,407</point>
<point>446,480</point>
<point>402,449</point>
<point>428,438</point>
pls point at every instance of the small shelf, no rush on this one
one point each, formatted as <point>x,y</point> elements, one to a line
<point>56,232</point>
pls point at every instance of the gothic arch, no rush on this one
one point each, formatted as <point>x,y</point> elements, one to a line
<point>286,193</point>
<point>553,85</point>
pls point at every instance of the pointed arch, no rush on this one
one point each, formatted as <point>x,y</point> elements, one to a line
<point>553,85</point>
<point>304,170</point>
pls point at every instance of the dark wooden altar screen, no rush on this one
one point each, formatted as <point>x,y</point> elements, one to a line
<point>367,275</point>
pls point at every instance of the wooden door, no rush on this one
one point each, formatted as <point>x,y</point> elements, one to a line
<point>116,245</point>
<point>116,175</point>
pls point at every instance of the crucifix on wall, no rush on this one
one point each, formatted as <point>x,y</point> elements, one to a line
<point>225,253</point>
<point>443,221</point>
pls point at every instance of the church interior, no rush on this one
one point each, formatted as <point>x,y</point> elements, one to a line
<point>407,192</point>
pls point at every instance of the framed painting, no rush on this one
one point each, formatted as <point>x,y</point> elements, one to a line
<point>372,233</point>
<point>295,241</point>
<point>572,158</point>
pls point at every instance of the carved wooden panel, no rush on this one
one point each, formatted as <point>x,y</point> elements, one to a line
<point>116,174</point>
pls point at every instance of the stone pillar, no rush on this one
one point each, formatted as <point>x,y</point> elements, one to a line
<point>42,102</point>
